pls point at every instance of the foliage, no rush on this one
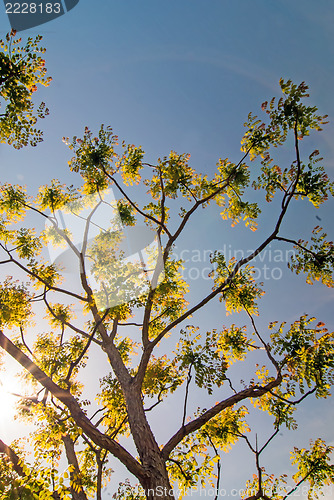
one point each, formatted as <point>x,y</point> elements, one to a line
<point>22,68</point>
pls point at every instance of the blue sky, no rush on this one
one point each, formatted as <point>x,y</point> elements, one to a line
<point>176,74</point>
<point>183,75</point>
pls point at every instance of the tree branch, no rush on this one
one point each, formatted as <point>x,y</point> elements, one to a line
<point>14,459</point>
<point>287,401</point>
<point>197,423</point>
<point>41,280</point>
<point>147,216</point>
<point>189,377</point>
<point>72,327</point>
<point>76,488</point>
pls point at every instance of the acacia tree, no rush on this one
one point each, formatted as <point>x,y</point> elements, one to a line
<point>125,299</point>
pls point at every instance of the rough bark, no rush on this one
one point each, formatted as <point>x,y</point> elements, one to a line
<point>156,482</point>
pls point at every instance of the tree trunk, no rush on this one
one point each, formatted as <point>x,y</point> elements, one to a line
<point>156,482</point>
<point>157,486</point>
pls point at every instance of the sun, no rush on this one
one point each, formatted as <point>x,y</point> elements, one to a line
<point>10,389</point>
<point>7,399</point>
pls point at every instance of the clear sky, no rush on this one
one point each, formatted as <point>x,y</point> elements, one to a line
<point>183,75</point>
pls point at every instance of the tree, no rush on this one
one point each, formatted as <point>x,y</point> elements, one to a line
<point>120,295</point>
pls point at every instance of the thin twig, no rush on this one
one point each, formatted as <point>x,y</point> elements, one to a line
<point>189,377</point>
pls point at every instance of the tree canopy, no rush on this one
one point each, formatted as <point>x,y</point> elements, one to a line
<point>103,300</point>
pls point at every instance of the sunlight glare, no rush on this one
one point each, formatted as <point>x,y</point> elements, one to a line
<point>8,388</point>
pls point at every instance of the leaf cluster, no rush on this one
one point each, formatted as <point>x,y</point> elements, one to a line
<point>22,68</point>
<point>315,260</point>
